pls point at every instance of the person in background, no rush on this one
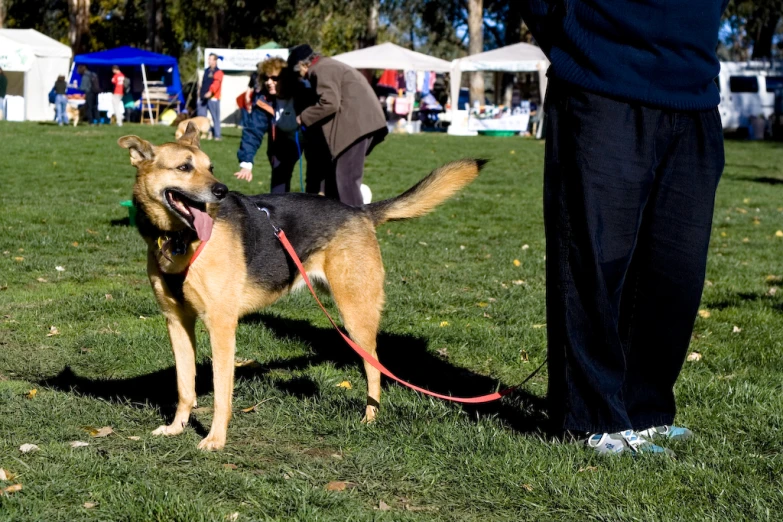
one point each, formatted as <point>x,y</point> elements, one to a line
<point>348,114</point>
<point>90,86</point>
<point>634,153</point>
<point>209,96</point>
<point>3,90</point>
<point>276,99</point>
<point>61,101</point>
<point>118,80</point>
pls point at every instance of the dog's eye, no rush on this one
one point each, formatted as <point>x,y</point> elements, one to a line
<point>187,167</point>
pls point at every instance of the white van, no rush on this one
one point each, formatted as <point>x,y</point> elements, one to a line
<point>747,89</point>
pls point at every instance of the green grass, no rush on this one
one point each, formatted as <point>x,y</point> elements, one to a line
<point>457,320</point>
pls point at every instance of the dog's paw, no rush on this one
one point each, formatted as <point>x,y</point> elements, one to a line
<point>169,430</point>
<point>211,443</point>
<point>369,414</point>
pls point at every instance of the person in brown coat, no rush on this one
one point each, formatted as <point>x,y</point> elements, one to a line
<point>349,114</point>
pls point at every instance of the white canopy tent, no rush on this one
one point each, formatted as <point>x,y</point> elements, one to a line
<point>32,61</point>
<point>521,57</point>
<point>390,56</point>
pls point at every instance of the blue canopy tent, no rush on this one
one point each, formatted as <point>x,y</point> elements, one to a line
<point>131,57</point>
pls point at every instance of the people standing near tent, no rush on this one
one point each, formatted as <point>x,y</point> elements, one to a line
<point>3,89</point>
<point>276,98</point>
<point>118,80</point>
<point>91,87</point>
<point>209,96</point>
<point>348,113</point>
<point>634,153</point>
<point>61,101</point>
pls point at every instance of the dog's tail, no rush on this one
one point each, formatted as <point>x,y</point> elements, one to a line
<point>437,187</point>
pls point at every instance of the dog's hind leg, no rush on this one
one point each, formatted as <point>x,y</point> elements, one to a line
<point>222,332</point>
<point>182,334</point>
<point>357,288</point>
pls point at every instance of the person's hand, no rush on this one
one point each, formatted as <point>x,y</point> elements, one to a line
<point>245,174</point>
<point>299,120</point>
<point>207,95</point>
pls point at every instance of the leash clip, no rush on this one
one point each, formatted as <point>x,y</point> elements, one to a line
<point>269,217</point>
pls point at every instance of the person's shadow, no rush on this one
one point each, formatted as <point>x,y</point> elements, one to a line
<point>405,356</point>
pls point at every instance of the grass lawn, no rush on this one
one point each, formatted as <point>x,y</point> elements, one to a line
<point>464,315</point>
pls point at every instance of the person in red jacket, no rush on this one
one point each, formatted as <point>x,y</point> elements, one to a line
<point>209,96</point>
<point>118,80</point>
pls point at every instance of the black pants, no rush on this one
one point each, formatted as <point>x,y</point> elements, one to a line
<point>286,159</point>
<point>628,202</point>
<point>346,180</point>
<point>91,107</point>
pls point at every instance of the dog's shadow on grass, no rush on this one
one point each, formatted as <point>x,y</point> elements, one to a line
<point>405,356</point>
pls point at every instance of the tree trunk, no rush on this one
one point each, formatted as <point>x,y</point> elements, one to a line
<point>2,14</point>
<point>79,25</point>
<point>216,31</point>
<point>371,37</point>
<point>762,43</point>
<point>151,26</point>
<point>476,32</point>
<point>513,35</point>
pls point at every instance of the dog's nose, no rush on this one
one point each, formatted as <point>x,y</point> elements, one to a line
<point>219,190</point>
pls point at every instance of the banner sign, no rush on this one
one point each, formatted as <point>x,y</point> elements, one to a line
<point>242,59</point>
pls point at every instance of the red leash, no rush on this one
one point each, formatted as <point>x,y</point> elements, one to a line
<point>364,354</point>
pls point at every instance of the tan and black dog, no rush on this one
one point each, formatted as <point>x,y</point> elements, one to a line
<point>243,268</point>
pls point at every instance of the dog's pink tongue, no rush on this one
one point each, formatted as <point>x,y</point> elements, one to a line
<point>202,222</point>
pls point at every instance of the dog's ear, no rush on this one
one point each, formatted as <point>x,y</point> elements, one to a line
<point>191,136</point>
<point>140,150</point>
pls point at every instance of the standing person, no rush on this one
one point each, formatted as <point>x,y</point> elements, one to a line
<point>118,80</point>
<point>91,87</point>
<point>209,96</point>
<point>277,97</point>
<point>61,101</point>
<point>349,115</point>
<point>3,90</point>
<point>634,153</point>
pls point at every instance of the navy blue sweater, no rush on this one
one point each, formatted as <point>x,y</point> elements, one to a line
<point>656,52</point>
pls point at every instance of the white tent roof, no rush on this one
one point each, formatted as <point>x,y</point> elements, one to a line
<point>390,56</point>
<point>40,44</point>
<point>512,58</point>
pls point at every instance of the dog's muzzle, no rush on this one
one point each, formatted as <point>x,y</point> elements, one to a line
<point>219,190</point>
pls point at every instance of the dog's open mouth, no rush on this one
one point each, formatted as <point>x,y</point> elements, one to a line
<point>194,213</point>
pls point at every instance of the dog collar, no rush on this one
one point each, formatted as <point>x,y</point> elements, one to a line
<point>179,246</point>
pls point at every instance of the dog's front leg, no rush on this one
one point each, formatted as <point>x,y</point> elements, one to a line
<point>222,333</point>
<point>182,333</point>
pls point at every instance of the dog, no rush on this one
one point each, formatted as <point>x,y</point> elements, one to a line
<point>74,113</point>
<point>182,208</point>
<point>202,123</point>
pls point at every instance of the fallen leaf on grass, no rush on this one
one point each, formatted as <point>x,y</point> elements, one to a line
<point>89,505</point>
<point>31,394</point>
<point>42,280</point>
<point>27,448</point>
<point>422,243</point>
<point>746,240</point>
<point>232,517</point>
<point>704,314</point>
<point>230,466</point>
<point>523,356</point>
<point>79,444</point>
<point>75,243</point>
<point>588,468</point>
<point>517,262</point>
<point>91,232</point>
<point>108,297</point>
<point>694,356</point>
<point>443,352</point>
<point>60,268</point>
<point>13,489</point>
<point>539,325</point>
<point>518,282</point>
<point>256,405</point>
<point>527,487</point>
<point>340,485</point>
<point>142,318</point>
<point>19,259</point>
<point>135,437</point>
<point>99,432</point>
<point>736,329</point>
<point>444,323</point>
<point>779,233</point>
<point>6,475</point>
<point>525,247</point>
<point>240,362</point>
<point>383,506</point>
<point>482,305</point>
<point>773,290</point>
<point>53,331</point>
<point>746,200</point>
<point>344,384</point>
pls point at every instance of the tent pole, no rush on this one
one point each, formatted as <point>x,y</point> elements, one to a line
<point>146,92</point>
